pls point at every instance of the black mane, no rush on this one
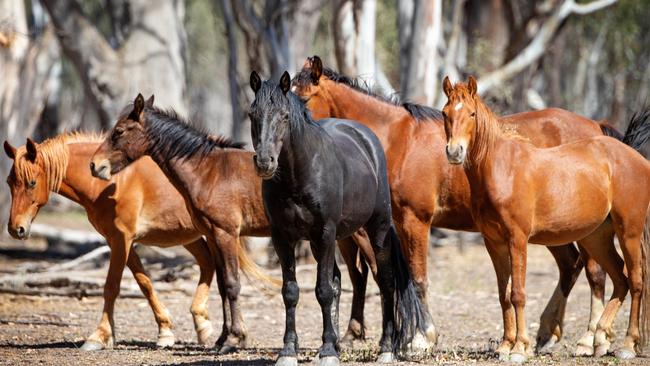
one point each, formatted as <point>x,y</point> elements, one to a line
<point>417,111</point>
<point>173,136</point>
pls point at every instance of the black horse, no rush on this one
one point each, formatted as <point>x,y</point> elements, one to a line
<point>324,181</point>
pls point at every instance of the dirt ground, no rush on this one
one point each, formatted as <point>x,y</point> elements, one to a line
<point>463,299</point>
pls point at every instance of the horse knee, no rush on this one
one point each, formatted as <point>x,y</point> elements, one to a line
<point>325,294</point>
<point>290,294</point>
<point>518,298</point>
<point>232,288</point>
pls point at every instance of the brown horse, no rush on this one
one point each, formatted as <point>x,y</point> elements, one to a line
<point>413,138</point>
<point>221,189</point>
<point>140,206</point>
<point>585,191</point>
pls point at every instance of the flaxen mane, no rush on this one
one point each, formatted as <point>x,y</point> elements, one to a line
<point>52,157</point>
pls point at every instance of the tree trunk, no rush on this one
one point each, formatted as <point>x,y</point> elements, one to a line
<point>27,65</point>
<point>151,59</point>
<point>419,35</point>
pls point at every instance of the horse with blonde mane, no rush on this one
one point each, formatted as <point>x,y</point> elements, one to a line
<point>586,191</point>
<point>139,205</point>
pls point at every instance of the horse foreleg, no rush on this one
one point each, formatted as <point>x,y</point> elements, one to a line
<point>328,290</point>
<point>103,337</point>
<point>199,309</point>
<point>358,270</point>
<point>517,246</point>
<point>290,295</point>
<point>161,314</point>
<point>228,245</point>
<point>501,262</point>
<point>569,264</point>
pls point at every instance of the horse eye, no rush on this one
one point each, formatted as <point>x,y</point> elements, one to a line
<point>31,184</point>
<point>119,131</point>
<point>473,114</point>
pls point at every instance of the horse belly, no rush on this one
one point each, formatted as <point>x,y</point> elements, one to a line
<point>568,225</point>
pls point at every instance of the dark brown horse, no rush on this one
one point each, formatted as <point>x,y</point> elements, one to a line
<point>586,191</point>
<point>139,205</point>
<point>425,191</point>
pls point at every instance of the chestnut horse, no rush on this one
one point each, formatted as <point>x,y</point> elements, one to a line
<point>426,192</point>
<point>140,206</point>
<point>585,191</point>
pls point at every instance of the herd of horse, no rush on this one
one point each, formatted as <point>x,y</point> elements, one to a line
<point>339,165</point>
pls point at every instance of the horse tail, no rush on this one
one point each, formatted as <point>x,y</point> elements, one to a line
<point>252,270</point>
<point>638,131</point>
<point>611,131</point>
<point>645,293</point>
<point>409,310</point>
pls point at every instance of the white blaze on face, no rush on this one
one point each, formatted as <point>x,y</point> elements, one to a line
<point>458,106</point>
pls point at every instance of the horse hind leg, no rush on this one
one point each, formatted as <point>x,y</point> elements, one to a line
<point>199,309</point>
<point>596,277</point>
<point>569,264</point>
<point>358,271</point>
<point>600,247</point>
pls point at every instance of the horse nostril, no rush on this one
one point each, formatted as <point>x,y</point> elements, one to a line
<point>92,166</point>
<point>271,159</point>
<point>20,230</point>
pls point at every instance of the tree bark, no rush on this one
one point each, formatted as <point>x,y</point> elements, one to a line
<point>151,59</point>
<point>27,65</point>
<point>421,34</point>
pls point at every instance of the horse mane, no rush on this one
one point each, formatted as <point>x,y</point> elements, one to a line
<point>417,111</point>
<point>174,137</point>
<point>54,157</point>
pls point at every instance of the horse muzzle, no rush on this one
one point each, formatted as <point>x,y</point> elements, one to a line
<point>19,231</point>
<point>101,169</point>
<point>265,167</point>
<point>456,153</point>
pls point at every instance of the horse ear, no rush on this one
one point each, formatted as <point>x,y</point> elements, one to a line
<point>138,107</point>
<point>446,86</point>
<point>316,69</point>
<point>149,102</point>
<point>31,150</point>
<point>285,82</point>
<point>471,85</point>
<point>10,150</point>
<point>255,81</point>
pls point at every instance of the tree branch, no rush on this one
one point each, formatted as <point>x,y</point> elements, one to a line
<point>538,45</point>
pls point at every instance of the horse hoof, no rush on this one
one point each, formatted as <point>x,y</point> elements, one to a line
<point>547,348</point>
<point>601,350</point>
<point>583,351</point>
<point>204,332</point>
<point>419,344</point>
<point>625,354</point>
<point>286,361</point>
<point>92,346</point>
<point>517,357</point>
<point>165,339</point>
<point>226,348</point>
<point>386,357</point>
<point>432,336</point>
<point>329,361</point>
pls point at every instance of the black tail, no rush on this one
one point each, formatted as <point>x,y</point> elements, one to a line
<point>611,131</point>
<point>638,131</point>
<point>409,311</point>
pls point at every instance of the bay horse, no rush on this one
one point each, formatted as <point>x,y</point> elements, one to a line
<point>426,192</point>
<point>323,182</point>
<point>140,206</point>
<point>586,191</point>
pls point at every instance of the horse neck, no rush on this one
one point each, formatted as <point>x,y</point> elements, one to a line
<point>347,103</point>
<point>78,184</point>
<point>301,144</point>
